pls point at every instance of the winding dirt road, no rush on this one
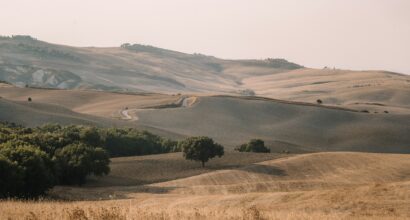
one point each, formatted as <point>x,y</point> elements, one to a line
<point>183,102</point>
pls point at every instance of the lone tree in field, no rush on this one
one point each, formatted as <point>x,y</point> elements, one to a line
<point>201,149</point>
<point>319,101</point>
<point>29,99</point>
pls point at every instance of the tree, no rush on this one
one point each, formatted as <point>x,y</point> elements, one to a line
<point>169,145</point>
<point>76,161</point>
<point>29,99</point>
<point>90,136</point>
<point>254,145</point>
<point>201,149</point>
<point>35,167</point>
<point>319,101</point>
<point>11,178</point>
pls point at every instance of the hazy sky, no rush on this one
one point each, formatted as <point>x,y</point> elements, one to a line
<point>354,34</point>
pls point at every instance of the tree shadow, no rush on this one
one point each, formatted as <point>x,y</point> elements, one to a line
<point>264,169</point>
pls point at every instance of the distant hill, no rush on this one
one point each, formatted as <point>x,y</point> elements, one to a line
<point>27,61</point>
<point>289,106</point>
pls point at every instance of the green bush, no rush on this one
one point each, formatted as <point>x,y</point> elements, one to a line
<point>11,178</point>
<point>130,142</point>
<point>32,160</point>
<point>90,136</point>
<point>201,149</point>
<point>76,161</point>
<point>169,145</point>
<point>35,167</point>
<point>254,145</point>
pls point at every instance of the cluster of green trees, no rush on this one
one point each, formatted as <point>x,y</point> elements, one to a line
<point>254,145</point>
<point>33,160</point>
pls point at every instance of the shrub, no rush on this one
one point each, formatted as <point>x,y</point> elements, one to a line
<point>32,160</point>
<point>90,136</point>
<point>35,166</point>
<point>254,145</point>
<point>201,149</point>
<point>76,161</point>
<point>11,178</point>
<point>319,101</point>
<point>169,145</point>
<point>130,142</point>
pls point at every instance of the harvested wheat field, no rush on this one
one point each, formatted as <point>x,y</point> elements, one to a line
<point>309,186</point>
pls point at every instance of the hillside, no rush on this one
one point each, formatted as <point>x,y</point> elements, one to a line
<point>27,61</point>
<point>311,186</point>
<point>131,171</point>
<point>306,172</point>
<point>33,114</point>
<point>284,125</point>
<point>230,120</point>
<point>140,68</point>
<point>370,90</point>
<point>103,104</point>
<point>52,106</point>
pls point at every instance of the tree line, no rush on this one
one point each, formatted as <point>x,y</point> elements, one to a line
<point>33,160</point>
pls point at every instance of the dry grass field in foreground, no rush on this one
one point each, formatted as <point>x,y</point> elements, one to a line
<point>310,186</point>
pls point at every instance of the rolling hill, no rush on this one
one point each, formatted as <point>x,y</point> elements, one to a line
<point>230,120</point>
<point>231,101</point>
<point>333,185</point>
<point>285,125</point>
<point>307,172</point>
<point>140,68</point>
<point>27,61</point>
<point>370,90</point>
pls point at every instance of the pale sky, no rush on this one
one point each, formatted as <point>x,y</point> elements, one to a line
<point>350,34</point>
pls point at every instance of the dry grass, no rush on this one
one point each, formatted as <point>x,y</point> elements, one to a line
<point>351,89</point>
<point>103,104</point>
<point>319,171</point>
<point>366,202</point>
<point>128,171</point>
<point>330,186</point>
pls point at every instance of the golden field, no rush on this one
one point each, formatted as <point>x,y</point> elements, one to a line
<point>308,186</point>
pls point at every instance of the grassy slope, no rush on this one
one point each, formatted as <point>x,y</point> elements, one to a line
<point>361,90</point>
<point>312,186</point>
<point>232,121</point>
<point>104,104</point>
<point>50,109</point>
<point>34,114</point>
<point>306,172</point>
<point>127,171</point>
